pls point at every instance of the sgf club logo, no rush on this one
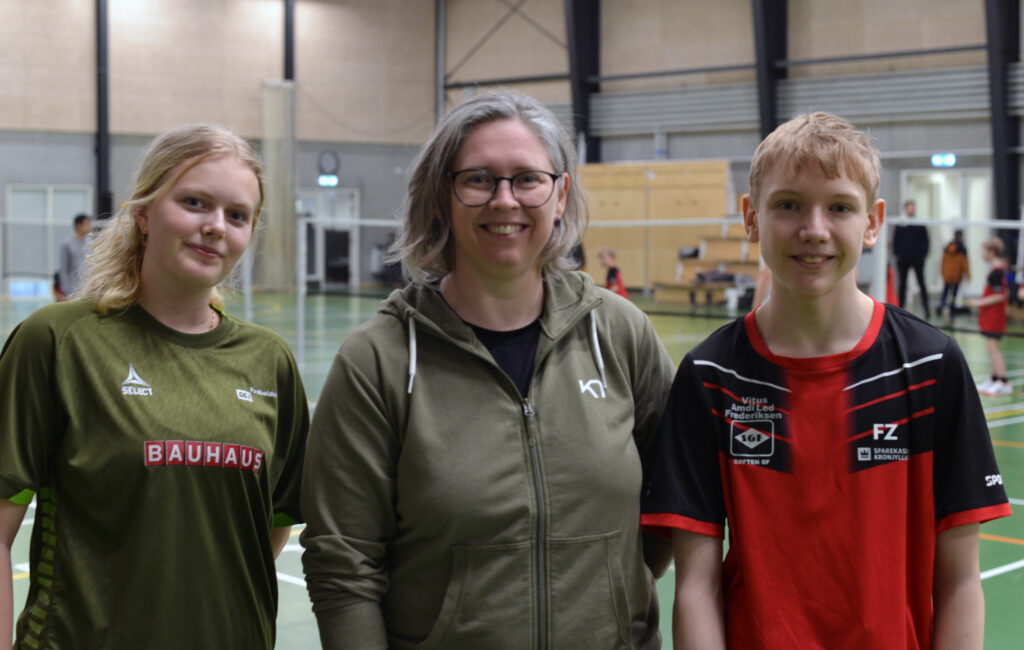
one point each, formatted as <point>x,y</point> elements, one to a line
<point>752,439</point>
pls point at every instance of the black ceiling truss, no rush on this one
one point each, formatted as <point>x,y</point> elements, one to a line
<point>770,23</point>
<point>583,28</point>
<point>1002,24</point>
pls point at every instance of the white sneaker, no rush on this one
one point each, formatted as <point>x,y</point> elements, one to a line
<point>1000,388</point>
<point>985,387</point>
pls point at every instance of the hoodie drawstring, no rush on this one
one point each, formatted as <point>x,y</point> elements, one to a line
<point>596,349</point>
<point>412,354</point>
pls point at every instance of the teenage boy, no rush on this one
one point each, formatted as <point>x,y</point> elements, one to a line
<point>842,439</point>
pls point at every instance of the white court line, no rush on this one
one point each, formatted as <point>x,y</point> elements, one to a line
<point>1003,408</point>
<point>22,566</point>
<point>1006,422</point>
<point>292,548</point>
<point>1006,568</point>
<point>27,522</point>
<point>1017,502</point>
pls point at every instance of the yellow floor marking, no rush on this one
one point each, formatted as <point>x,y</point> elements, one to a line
<point>1008,443</point>
<point>20,576</point>
<point>1003,414</point>
<point>998,538</point>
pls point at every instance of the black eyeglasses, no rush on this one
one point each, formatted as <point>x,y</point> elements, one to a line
<point>476,187</point>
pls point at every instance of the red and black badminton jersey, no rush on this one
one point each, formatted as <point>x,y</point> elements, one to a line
<point>835,475</point>
<point>992,318</point>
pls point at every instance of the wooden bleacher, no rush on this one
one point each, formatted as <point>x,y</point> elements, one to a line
<point>624,192</point>
<point>732,255</point>
<point>648,257</point>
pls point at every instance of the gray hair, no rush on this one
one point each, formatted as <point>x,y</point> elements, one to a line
<point>424,244</point>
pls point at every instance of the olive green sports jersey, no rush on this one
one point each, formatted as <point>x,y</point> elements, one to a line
<point>161,461</point>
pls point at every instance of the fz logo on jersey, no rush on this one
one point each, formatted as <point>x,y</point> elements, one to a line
<point>885,432</point>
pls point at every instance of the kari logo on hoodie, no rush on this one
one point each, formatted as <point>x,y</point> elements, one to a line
<point>594,387</point>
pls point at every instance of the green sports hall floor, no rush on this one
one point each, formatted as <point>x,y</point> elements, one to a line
<point>330,318</point>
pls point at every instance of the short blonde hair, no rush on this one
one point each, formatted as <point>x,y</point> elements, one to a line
<point>822,139</point>
<point>995,245</point>
<point>112,273</point>
<point>424,244</point>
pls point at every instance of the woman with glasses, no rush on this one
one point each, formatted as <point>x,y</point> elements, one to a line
<point>474,467</point>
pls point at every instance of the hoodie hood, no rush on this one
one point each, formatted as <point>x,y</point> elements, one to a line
<point>568,297</point>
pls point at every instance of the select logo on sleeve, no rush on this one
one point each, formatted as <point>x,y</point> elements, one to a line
<point>195,453</point>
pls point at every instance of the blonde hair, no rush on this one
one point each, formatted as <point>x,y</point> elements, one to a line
<point>995,245</point>
<point>424,244</point>
<point>112,273</point>
<point>822,139</point>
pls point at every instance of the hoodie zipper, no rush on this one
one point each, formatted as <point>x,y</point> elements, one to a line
<point>531,438</point>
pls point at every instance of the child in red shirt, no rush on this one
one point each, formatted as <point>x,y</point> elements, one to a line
<point>992,317</point>
<point>614,282</point>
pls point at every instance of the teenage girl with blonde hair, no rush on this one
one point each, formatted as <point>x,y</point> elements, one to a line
<point>162,438</point>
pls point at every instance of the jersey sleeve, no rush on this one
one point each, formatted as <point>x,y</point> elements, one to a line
<point>31,416</point>
<point>684,489</point>
<point>292,432</point>
<point>995,280</point>
<point>612,278</point>
<point>348,498</point>
<point>968,487</point>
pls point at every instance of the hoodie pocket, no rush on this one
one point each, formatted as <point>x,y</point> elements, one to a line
<point>489,602</point>
<point>589,599</point>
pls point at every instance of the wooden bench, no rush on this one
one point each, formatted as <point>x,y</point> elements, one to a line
<point>712,292</point>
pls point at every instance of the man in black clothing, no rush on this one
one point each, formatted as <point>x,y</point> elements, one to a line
<point>910,246</point>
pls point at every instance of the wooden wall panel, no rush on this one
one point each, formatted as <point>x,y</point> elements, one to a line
<point>646,35</point>
<point>652,191</point>
<point>47,65</point>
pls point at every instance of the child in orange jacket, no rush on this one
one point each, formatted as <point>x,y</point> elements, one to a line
<point>955,269</point>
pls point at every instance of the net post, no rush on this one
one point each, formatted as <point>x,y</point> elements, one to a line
<point>300,292</point>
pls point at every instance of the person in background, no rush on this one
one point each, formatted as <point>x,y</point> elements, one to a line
<point>839,438</point>
<point>955,269</point>
<point>72,258</point>
<point>476,456</point>
<point>910,246</point>
<point>992,317</point>
<point>613,282</point>
<point>162,439</point>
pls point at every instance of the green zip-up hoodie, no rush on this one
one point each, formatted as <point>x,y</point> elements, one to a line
<point>445,510</point>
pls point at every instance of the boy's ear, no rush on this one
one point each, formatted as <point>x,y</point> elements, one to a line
<point>876,219</point>
<point>749,218</point>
